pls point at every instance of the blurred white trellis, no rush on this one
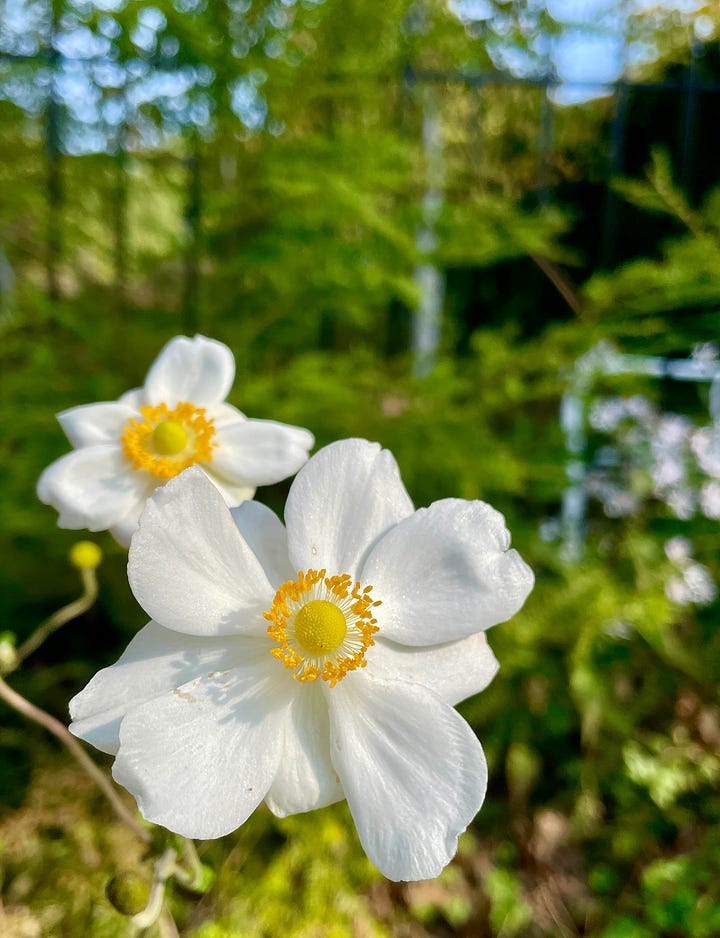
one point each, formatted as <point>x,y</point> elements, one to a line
<point>604,360</point>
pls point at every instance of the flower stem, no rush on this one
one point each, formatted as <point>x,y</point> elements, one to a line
<point>61,617</point>
<point>193,877</point>
<point>166,924</point>
<point>29,710</point>
<point>164,868</point>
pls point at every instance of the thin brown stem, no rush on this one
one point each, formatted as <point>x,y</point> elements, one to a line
<point>29,710</point>
<point>61,617</point>
<point>561,283</point>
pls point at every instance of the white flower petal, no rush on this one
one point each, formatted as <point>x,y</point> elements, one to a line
<point>124,529</point>
<point>134,398</point>
<point>347,495</point>
<point>91,424</point>
<point>445,573</point>
<point>190,568</point>
<point>305,778</point>
<point>413,773</point>
<point>266,535</point>
<point>453,672</point>
<point>260,452</point>
<point>92,487</point>
<point>155,662</point>
<point>225,413</point>
<point>199,760</point>
<point>232,494</point>
<point>197,370</point>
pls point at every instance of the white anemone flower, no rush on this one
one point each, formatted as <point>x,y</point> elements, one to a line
<point>255,681</point>
<point>125,449</point>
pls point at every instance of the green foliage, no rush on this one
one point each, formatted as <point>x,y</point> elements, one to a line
<point>598,728</point>
<point>670,302</point>
<point>602,726</point>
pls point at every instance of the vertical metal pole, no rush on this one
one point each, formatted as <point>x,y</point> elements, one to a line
<point>574,499</point>
<point>617,148</point>
<point>690,99</point>
<point>54,176</point>
<point>192,223</point>
<point>120,198</point>
<point>427,316</point>
<point>546,129</point>
<point>545,143</point>
<point>616,153</point>
<point>7,283</point>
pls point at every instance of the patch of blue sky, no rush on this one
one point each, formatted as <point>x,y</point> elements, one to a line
<point>108,74</point>
<point>80,42</point>
<point>239,6</point>
<point>114,111</point>
<point>279,16</point>
<point>275,47</point>
<point>587,54</point>
<point>590,13</point>
<point>144,38</point>
<point>520,62</point>
<point>189,6</point>
<point>472,10</point>
<point>682,6</point>
<point>152,18</point>
<point>77,92</point>
<point>27,91</point>
<point>23,27</point>
<point>109,27</point>
<point>159,84</point>
<point>105,6</point>
<point>248,103</point>
<point>89,139</point>
<point>586,65</point>
<point>169,46</point>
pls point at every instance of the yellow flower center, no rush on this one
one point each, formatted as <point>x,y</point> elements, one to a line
<point>320,627</point>
<point>169,438</point>
<point>323,625</point>
<point>167,441</point>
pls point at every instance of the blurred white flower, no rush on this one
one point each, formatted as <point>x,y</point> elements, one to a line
<point>682,502</point>
<point>710,499</point>
<point>701,586</point>
<point>125,449</point>
<point>706,352</point>
<point>667,472</point>
<point>258,682</point>
<point>672,432</point>
<point>705,444</point>
<point>621,504</point>
<point>641,409</point>
<point>678,549</point>
<point>607,413</point>
<point>693,586</point>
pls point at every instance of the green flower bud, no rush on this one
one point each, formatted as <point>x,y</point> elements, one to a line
<point>129,893</point>
<point>204,880</point>
<point>8,655</point>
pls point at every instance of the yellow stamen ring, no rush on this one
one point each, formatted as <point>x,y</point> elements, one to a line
<point>168,441</point>
<point>322,625</point>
